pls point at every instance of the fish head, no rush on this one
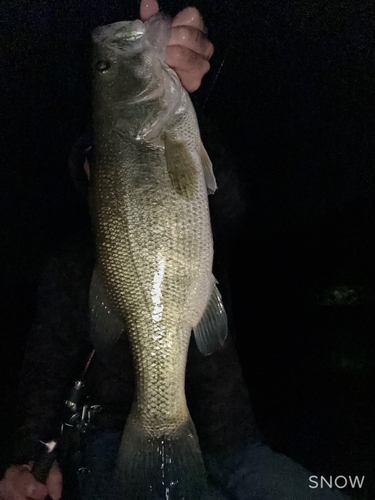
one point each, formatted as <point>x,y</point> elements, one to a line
<point>134,91</point>
<point>123,61</point>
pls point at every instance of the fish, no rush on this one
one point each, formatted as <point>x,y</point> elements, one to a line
<point>149,186</point>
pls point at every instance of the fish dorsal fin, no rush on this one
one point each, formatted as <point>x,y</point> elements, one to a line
<point>181,167</point>
<point>207,170</point>
<point>106,327</point>
<point>212,330</point>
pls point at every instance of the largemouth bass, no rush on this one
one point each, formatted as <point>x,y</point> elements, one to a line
<point>153,275</point>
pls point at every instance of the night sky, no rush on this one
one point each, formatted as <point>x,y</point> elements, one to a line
<point>292,91</point>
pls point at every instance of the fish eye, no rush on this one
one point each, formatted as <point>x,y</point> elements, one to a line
<point>102,66</point>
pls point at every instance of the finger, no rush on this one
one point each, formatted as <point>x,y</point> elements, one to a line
<point>189,17</point>
<point>193,39</point>
<point>189,80</point>
<point>8,493</point>
<point>9,485</point>
<point>54,482</point>
<point>189,66</point>
<point>183,59</point>
<point>26,484</point>
<point>37,491</point>
<point>148,8</point>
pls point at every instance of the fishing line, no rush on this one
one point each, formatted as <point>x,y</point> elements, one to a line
<point>216,76</point>
<point>237,22</point>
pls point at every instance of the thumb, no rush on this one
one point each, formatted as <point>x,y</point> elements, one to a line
<point>54,482</point>
<point>24,483</point>
<point>148,8</point>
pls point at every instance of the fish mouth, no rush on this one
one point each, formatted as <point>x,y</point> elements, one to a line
<point>134,35</point>
<point>120,32</point>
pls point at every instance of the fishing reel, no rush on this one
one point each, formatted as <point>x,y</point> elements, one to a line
<point>79,411</point>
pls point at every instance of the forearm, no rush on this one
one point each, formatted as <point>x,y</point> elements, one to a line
<point>44,387</point>
<point>219,400</point>
<point>56,350</point>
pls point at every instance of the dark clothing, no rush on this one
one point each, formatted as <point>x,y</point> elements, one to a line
<point>59,345</point>
<point>56,42</point>
<point>238,465</point>
<point>58,348</point>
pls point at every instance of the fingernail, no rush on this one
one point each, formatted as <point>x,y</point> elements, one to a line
<point>148,8</point>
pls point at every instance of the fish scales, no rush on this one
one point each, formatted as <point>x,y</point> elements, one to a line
<point>148,196</point>
<point>147,235</point>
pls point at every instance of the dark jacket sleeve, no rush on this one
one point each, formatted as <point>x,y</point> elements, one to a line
<point>57,347</point>
<point>218,398</point>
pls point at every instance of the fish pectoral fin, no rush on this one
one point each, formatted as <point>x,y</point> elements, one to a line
<point>208,170</point>
<point>212,330</point>
<point>106,327</point>
<point>181,167</point>
<point>165,465</point>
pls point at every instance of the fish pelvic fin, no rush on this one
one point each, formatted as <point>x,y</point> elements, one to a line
<point>181,167</point>
<point>106,327</point>
<point>212,330</point>
<point>166,467</point>
<point>208,170</point>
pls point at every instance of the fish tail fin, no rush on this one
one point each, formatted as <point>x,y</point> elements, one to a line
<point>167,467</point>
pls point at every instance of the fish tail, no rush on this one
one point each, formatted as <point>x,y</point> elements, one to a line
<point>168,467</point>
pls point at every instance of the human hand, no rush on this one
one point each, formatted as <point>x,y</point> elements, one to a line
<point>19,484</point>
<point>188,50</point>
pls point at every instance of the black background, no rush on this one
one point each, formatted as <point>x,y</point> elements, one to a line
<point>294,100</point>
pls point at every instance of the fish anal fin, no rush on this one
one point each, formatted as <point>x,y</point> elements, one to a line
<point>181,167</point>
<point>212,330</point>
<point>106,327</point>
